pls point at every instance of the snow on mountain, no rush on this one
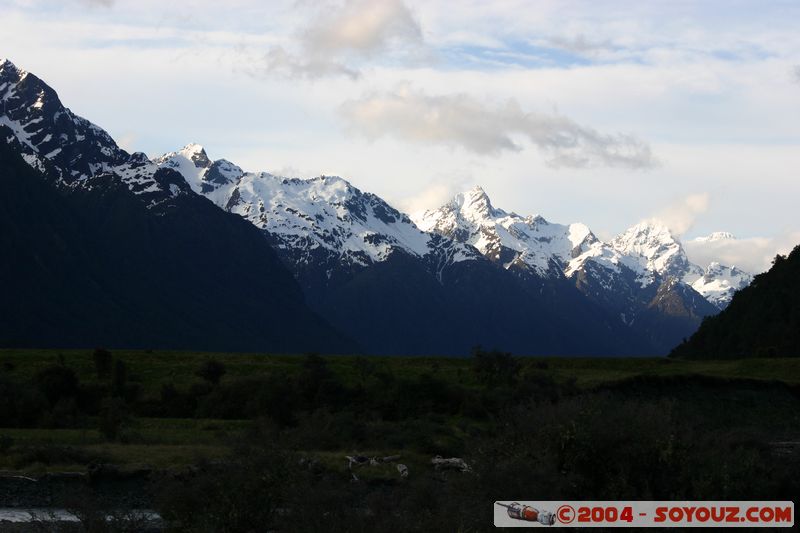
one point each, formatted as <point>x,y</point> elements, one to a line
<point>507,238</point>
<point>657,250</point>
<point>327,216</point>
<point>646,252</point>
<point>76,152</point>
<point>716,236</point>
<point>307,217</point>
<point>718,283</point>
<point>612,260</point>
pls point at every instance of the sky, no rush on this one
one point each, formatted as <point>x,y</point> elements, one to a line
<point>606,113</point>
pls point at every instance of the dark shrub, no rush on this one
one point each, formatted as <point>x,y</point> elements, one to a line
<point>102,362</point>
<point>274,397</point>
<point>20,406</point>
<point>119,380</point>
<point>241,494</point>
<point>57,382</point>
<point>211,371</point>
<point>494,368</point>
<point>113,416</point>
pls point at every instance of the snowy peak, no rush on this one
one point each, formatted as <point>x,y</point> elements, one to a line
<point>322,219</point>
<point>643,254</point>
<point>9,69</point>
<point>196,154</point>
<point>528,243</point>
<point>651,240</point>
<point>716,236</point>
<point>202,174</point>
<point>474,204</point>
<point>719,282</point>
<point>654,246</point>
<point>69,149</point>
<point>48,130</point>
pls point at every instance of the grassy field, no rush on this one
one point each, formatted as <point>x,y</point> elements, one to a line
<point>274,431</point>
<point>153,369</point>
<point>169,442</point>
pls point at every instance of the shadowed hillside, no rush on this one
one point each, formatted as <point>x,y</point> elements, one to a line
<point>763,320</point>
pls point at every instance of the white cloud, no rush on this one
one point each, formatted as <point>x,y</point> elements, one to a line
<point>681,216</point>
<point>98,3</point>
<point>278,61</point>
<point>127,141</point>
<point>753,254</point>
<point>363,26</point>
<point>350,32</point>
<point>796,73</point>
<point>460,120</point>
<point>692,84</point>
<point>436,194</point>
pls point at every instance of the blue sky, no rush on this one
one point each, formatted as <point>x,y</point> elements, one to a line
<point>601,112</point>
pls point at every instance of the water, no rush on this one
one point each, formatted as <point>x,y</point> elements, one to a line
<point>49,514</point>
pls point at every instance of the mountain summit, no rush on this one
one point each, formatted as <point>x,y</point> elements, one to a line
<point>111,249</point>
<point>376,275</point>
<point>507,238</point>
<point>186,251</point>
<point>631,277</point>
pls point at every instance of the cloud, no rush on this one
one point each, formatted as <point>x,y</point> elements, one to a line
<point>436,194</point>
<point>579,44</point>
<point>753,255</point>
<point>128,141</point>
<point>98,3</point>
<point>354,31</point>
<point>280,62</point>
<point>462,121</point>
<point>796,73</point>
<point>681,216</point>
<point>363,26</point>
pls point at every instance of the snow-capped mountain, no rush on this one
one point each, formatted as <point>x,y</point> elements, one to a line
<point>647,252</point>
<point>529,242</point>
<point>105,248</point>
<point>147,243</point>
<point>656,250</point>
<point>719,283</point>
<point>716,236</point>
<point>318,220</point>
<point>660,252</point>
<point>75,152</point>
<point>643,276</point>
<point>392,286</point>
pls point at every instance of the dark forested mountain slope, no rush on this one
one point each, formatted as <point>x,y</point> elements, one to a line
<point>104,248</point>
<point>396,289</point>
<point>762,320</point>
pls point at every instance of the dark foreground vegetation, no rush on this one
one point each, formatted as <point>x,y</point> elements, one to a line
<point>217,443</point>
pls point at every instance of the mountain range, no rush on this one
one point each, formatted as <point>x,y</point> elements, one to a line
<point>188,252</point>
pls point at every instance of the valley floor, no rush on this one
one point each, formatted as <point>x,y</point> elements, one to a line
<point>176,431</point>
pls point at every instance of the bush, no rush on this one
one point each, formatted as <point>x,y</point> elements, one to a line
<point>119,380</point>
<point>243,493</point>
<point>211,371</point>
<point>494,368</point>
<point>102,362</point>
<point>275,397</point>
<point>113,416</point>
<point>57,382</point>
<point>20,406</point>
